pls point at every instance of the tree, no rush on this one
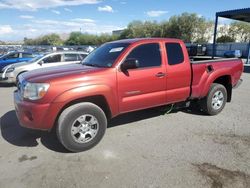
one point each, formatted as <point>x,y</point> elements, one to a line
<point>74,38</point>
<point>224,39</point>
<point>240,31</point>
<point>139,29</point>
<point>189,28</point>
<point>52,39</point>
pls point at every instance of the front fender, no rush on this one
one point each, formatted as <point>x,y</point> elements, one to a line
<point>87,91</point>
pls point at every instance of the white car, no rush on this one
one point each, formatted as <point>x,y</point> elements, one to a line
<point>10,73</point>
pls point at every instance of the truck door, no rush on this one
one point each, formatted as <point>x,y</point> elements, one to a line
<point>178,72</point>
<point>144,86</point>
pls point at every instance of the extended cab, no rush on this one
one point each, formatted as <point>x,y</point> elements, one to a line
<point>116,78</point>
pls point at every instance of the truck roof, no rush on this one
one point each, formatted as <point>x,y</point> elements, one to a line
<point>146,40</point>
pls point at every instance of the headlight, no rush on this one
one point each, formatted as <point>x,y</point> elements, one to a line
<point>10,70</point>
<point>35,91</point>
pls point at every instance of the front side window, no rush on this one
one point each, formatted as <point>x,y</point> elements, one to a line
<point>52,59</point>
<point>12,56</point>
<point>148,55</point>
<point>174,53</point>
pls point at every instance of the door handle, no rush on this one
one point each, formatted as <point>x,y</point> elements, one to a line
<point>160,74</point>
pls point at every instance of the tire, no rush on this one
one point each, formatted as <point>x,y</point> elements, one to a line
<point>215,101</point>
<point>81,126</point>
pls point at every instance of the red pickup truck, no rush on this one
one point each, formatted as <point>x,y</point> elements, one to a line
<point>119,77</point>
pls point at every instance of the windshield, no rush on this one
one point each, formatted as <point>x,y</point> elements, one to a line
<point>105,55</point>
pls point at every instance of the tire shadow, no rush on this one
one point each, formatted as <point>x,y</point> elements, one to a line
<point>16,135</point>
<point>13,133</point>
<point>7,85</point>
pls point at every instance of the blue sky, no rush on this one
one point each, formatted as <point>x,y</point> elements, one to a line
<point>26,18</point>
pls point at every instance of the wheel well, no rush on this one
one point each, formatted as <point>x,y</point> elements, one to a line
<point>226,81</point>
<point>98,100</point>
<point>21,73</point>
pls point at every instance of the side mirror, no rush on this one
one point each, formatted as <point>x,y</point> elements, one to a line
<point>40,63</point>
<point>129,64</point>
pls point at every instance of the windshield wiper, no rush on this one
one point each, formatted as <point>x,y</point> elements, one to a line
<point>93,65</point>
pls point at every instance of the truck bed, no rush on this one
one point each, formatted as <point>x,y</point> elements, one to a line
<point>206,59</point>
<point>206,71</point>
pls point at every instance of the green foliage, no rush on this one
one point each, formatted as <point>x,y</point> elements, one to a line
<point>2,42</point>
<point>224,39</point>
<point>240,30</point>
<point>139,29</point>
<point>77,38</point>
<point>51,39</point>
<point>188,26</point>
<point>236,31</point>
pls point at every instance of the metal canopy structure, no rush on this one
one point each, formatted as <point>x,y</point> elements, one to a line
<point>240,15</point>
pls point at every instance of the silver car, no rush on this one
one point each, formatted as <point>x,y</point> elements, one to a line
<point>10,73</point>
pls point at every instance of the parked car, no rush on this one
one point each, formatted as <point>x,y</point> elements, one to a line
<point>11,72</point>
<point>15,57</point>
<point>233,53</point>
<point>116,78</point>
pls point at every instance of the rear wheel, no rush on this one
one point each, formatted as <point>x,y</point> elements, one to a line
<point>215,100</point>
<point>81,126</point>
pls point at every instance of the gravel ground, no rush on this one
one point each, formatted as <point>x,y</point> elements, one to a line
<point>140,149</point>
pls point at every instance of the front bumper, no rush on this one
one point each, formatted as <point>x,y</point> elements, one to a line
<point>32,115</point>
<point>7,78</point>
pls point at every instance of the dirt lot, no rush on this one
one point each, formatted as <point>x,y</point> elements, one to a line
<point>141,149</point>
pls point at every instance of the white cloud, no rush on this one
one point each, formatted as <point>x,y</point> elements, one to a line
<point>34,5</point>
<point>224,21</point>
<point>39,27</point>
<point>67,10</point>
<point>26,17</point>
<point>5,29</point>
<point>105,8</point>
<point>56,12</point>
<point>86,20</point>
<point>199,15</point>
<point>156,13</point>
<point>86,25</point>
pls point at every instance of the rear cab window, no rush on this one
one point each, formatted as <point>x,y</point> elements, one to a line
<point>174,53</point>
<point>148,55</point>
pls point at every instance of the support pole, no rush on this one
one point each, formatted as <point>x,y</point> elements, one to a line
<point>248,56</point>
<point>215,33</point>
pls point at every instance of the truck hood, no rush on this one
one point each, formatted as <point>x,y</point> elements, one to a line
<point>53,73</point>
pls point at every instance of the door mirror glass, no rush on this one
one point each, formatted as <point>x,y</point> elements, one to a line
<point>40,63</point>
<point>129,64</point>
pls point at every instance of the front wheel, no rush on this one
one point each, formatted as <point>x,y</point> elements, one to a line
<point>81,126</point>
<point>215,100</point>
